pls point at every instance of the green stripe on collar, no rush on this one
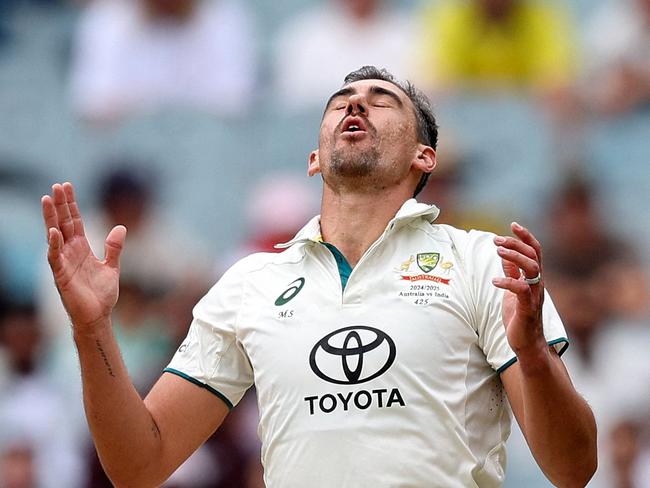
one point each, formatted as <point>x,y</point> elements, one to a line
<point>344,267</point>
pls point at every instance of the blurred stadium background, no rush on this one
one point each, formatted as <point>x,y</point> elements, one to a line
<point>191,121</point>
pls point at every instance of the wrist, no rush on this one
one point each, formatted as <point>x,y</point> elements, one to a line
<point>92,330</point>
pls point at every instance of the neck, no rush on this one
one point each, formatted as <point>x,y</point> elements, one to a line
<point>353,221</point>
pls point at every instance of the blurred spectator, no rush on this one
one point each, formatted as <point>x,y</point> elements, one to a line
<point>618,57</point>
<point>37,449</point>
<point>17,467</point>
<point>587,265</point>
<point>276,209</point>
<point>21,236</point>
<point>142,333</point>
<point>496,44</point>
<point>320,45</point>
<point>600,288</point>
<point>161,257</point>
<point>446,187</point>
<point>626,448</point>
<point>137,55</point>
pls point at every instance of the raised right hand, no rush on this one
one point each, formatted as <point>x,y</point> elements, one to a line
<point>88,287</point>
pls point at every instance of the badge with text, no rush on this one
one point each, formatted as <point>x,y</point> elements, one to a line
<point>427,262</point>
<point>424,288</point>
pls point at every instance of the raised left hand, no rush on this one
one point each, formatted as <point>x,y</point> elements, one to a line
<point>521,258</point>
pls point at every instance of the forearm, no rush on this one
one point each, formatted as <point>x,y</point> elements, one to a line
<point>127,438</point>
<point>558,423</point>
<point>124,432</point>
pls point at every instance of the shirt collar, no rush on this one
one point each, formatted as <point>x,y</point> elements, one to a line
<point>410,210</point>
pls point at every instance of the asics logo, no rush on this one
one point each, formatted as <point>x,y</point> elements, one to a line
<point>288,294</point>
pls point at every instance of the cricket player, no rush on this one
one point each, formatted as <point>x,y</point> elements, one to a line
<point>386,350</point>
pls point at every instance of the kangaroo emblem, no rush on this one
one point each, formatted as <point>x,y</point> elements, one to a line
<point>447,266</point>
<point>407,264</point>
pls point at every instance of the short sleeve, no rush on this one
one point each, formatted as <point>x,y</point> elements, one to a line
<point>485,265</point>
<point>211,355</point>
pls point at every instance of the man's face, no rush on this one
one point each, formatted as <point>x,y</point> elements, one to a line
<point>497,9</point>
<point>169,9</point>
<point>368,136</point>
<point>360,9</point>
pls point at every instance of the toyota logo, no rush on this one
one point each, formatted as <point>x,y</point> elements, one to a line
<point>352,355</point>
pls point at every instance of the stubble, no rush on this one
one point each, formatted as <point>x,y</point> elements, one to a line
<point>352,164</point>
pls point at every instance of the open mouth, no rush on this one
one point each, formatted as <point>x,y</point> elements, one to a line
<point>353,125</point>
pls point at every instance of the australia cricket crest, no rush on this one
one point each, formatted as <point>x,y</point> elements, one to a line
<point>427,261</point>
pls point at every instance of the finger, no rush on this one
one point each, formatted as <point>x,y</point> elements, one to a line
<point>518,287</point>
<point>49,215</point>
<point>526,236</point>
<point>529,266</point>
<point>54,247</point>
<point>516,245</point>
<point>114,245</point>
<point>63,212</point>
<point>511,270</point>
<point>77,222</point>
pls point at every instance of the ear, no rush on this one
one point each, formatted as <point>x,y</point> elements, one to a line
<point>425,159</point>
<point>313,168</point>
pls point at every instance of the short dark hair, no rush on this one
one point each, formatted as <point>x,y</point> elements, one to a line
<point>127,179</point>
<point>426,122</point>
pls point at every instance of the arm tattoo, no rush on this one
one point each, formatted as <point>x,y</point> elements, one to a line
<point>105,358</point>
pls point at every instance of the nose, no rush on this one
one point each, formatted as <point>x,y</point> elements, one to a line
<point>357,104</point>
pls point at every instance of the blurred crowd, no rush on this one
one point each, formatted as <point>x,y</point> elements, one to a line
<point>190,122</point>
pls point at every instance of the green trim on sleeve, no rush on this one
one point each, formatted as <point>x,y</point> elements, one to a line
<point>561,340</point>
<point>507,365</point>
<point>202,385</point>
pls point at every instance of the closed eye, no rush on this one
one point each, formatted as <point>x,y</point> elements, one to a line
<point>382,100</point>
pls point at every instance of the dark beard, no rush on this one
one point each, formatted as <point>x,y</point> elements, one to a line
<point>357,166</point>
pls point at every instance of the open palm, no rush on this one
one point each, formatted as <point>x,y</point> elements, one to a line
<point>88,286</point>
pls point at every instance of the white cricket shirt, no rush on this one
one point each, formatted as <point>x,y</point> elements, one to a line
<point>389,382</point>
